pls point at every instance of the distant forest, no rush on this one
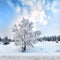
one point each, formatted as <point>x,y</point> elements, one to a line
<point>7,40</point>
<point>51,38</point>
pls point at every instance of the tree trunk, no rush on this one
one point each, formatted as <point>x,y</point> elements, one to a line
<point>24,48</point>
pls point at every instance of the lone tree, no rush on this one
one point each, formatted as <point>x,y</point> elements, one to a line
<point>24,34</point>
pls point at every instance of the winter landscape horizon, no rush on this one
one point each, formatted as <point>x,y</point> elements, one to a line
<point>30,27</point>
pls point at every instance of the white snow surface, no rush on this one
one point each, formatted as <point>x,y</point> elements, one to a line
<point>40,48</point>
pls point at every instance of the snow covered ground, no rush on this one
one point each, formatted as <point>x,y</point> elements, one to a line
<point>40,48</point>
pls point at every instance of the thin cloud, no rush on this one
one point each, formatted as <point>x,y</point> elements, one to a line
<point>34,13</point>
<point>53,7</point>
<point>33,9</point>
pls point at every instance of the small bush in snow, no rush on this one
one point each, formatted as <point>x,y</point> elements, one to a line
<point>5,40</point>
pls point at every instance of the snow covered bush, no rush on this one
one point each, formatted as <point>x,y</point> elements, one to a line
<point>24,34</point>
<point>5,40</point>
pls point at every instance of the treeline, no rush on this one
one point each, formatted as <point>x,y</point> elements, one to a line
<point>6,40</point>
<point>51,38</point>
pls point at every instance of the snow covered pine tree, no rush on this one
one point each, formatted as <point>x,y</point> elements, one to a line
<point>24,34</point>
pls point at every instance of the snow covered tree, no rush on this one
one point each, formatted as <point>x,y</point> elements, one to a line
<point>24,34</point>
<point>5,40</point>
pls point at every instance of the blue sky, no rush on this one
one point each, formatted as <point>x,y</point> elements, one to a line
<point>45,14</point>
